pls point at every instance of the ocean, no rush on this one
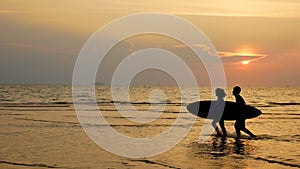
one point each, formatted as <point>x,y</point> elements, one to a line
<point>40,128</point>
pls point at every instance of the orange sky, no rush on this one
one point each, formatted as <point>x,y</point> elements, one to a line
<point>40,39</point>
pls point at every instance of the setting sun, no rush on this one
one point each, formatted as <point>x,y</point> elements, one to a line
<point>245,62</point>
<point>246,52</point>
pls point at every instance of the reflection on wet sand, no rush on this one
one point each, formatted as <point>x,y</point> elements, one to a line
<point>220,147</point>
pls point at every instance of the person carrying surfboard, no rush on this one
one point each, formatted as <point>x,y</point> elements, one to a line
<point>240,124</point>
<point>218,108</point>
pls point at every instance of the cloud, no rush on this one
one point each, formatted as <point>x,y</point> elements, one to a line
<point>131,45</point>
<point>204,47</point>
<point>254,8</point>
<point>231,57</point>
<point>225,56</point>
<point>8,11</point>
<point>36,47</point>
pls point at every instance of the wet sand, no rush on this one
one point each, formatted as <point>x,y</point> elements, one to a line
<point>51,137</point>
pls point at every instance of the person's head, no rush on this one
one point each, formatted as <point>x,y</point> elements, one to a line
<point>236,90</point>
<point>220,93</point>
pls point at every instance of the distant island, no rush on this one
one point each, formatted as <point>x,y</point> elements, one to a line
<point>100,84</point>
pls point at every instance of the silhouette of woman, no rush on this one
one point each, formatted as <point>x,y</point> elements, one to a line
<point>218,108</point>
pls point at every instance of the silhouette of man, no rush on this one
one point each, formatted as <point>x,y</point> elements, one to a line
<point>240,122</point>
<point>218,108</point>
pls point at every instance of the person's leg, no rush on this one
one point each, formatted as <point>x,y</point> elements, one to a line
<point>223,128</point>
<point>214,124</point>
<point>244,129</point>
<point>237,129</point>
<point>248,132</point>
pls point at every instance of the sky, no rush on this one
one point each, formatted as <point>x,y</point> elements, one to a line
<point>258,41</point>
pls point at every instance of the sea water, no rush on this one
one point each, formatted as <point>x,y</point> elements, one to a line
<point>39,127</point>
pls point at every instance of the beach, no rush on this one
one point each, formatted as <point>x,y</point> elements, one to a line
<point>40,129</point>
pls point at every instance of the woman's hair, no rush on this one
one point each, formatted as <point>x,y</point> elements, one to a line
<point>220,92</point>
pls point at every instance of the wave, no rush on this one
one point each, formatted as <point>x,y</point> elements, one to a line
<point>77,124</point>
<point>11,103</point>
<point>109,102</point>
<point>283,114</point>
<point>277,162</point>
<point>141,103</point>
<point>28,164</point>
<point>284,103</point>
<point>36,104</point>
<point>155,162</point>
<point>64,103</point>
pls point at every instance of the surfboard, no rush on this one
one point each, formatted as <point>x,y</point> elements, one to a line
<point>231,110</point>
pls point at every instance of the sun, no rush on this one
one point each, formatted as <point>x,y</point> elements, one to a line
<point>245,62</point>
<point>245,51</point>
